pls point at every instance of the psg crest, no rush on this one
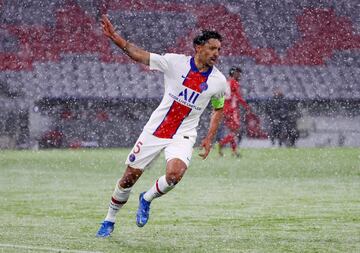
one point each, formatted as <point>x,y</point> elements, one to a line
<point>132,158</point>
<point>203,86</point>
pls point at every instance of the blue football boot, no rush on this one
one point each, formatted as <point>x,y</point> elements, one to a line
<point>106,228</point>
<point>142,215</point>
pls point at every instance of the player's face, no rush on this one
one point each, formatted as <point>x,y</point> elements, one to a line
<point>236,75</point>
<point>209,52</point>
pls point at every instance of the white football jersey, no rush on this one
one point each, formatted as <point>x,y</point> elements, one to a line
<point>187,94</point>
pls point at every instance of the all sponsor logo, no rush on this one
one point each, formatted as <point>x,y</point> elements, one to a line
<point>189,95</point>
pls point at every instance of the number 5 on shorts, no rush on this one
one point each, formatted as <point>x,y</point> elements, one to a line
<point>137,147</point>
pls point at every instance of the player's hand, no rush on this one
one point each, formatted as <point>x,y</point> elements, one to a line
<point>108,28</point>
<point>206,145</point>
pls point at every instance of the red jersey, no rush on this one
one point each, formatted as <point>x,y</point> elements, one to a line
<point>233,98</point>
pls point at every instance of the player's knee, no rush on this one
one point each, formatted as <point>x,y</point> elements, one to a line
<point>130,177</point>
<point>174,176</point>
<point>175,170</point>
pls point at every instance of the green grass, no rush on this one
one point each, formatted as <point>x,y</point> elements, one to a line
<point>269,200</point>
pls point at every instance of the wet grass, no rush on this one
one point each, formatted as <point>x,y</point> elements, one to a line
<point>269,200</point>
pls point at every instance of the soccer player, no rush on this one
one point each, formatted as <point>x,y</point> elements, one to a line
<point>190,84</point>
<point>232,119</point>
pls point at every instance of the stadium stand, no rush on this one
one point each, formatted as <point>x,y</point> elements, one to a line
<point>55,48</point>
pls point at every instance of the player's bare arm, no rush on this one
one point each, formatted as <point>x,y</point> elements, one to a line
<point>134,52</point>
<point>214,124</point>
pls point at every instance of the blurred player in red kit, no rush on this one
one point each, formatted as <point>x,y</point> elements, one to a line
<point>232,118</point>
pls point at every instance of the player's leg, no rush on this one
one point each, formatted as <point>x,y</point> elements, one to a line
<point>233,144</point>
<point>229,138</point>
<point>122,191</point>
<point>178,155</point>
<point>235,127</point>
<point>225,139</point>
<point>219,136</point>
<point>232,139</point>
<point>144,151</point>
<point>175,170</point>
<point>119,197</point>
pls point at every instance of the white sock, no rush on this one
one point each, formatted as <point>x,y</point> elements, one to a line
<point>158,189</point>
<point>118,199</point>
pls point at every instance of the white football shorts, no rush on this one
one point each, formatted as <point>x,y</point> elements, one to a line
<point>148,147</point>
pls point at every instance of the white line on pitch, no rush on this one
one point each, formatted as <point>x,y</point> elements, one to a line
<point>44,249</point>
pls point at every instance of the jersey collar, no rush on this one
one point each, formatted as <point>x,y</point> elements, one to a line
<point>195,69</point>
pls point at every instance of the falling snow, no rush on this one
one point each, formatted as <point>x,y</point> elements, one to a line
<point>63,84</point>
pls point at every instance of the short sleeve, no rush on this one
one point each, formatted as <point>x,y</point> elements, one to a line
<point>161,62</point>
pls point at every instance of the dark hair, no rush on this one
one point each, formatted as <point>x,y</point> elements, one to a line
<point>234,69</point>
<point>205,35</point>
